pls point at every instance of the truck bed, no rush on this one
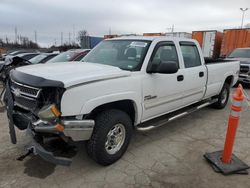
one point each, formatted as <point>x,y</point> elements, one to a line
<point>219,60</point>
<point>218,70</point>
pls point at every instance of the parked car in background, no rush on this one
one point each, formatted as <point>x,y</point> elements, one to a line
<point>70,55</point>
<point>124,84</point>
<point>242,55</point>
<point>13,53</point>
<point>42,58</point>
<point>14,61</point>
<point>27,56</point>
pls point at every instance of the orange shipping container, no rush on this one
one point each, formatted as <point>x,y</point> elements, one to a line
<point>234,38</point>
<point>153,34</point>
<point>110,36</point>
<point>210,42</point>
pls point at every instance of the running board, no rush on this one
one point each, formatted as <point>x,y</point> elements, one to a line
<point>162,120</point>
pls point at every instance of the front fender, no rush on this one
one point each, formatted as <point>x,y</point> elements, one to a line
<point>84,98</point>
<point>98,101</point>
<point>93,103</point>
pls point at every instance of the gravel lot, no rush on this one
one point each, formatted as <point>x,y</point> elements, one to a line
<point>170,156</point>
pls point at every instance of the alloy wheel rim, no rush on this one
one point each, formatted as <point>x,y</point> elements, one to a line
<point>115,139</point>
<point>224,96</point>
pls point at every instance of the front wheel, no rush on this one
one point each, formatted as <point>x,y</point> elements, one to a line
<point>222,97</point>
<point>111,136</point>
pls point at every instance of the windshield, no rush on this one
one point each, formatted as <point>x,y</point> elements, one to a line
<point>125,54</point>
<point>63,57</point>
<point>37,58</point>
<point>243,53</point>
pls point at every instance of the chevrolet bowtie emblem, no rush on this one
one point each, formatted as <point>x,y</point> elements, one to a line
<point>17,92</point>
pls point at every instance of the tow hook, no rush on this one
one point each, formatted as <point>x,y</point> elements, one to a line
<point>29,152</point>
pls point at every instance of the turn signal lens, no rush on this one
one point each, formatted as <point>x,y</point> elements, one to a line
<point>55,111</point>
<point>59,127</point>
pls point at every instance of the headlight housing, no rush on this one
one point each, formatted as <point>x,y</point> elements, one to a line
<point>49,113</point>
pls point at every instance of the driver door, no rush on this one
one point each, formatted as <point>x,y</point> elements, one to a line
<point>162,93</point>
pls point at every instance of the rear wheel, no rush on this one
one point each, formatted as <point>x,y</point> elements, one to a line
<point>111,136</point>
<point>222,97</point>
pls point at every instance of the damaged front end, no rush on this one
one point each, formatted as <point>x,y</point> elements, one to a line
<point>33,103</point>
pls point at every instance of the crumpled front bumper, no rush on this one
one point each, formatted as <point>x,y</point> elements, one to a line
<point>39,150</point>
<point>77,130</point>
<point>74,129</point>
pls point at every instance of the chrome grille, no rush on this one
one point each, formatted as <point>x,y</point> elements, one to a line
<point>25,90</point>
<point>25,96</point>
<point>26,103</point>
<point>244,69</point>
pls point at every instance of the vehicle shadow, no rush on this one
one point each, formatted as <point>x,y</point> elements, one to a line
<point>35,166</point>
<point>38,168</point>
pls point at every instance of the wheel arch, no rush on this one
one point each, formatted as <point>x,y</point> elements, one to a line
<point>229,80</point>
<point>128,106</point>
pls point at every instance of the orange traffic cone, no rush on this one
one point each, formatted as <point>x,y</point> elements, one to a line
<point>224,161</point>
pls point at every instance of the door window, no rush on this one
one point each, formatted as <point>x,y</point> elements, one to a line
<point>165,52</point>
<point>190,54</point>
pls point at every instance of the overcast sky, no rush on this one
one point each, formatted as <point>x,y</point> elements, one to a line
<point>51,17</point>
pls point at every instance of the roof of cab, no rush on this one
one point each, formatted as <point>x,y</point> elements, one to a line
<point>151,38</point>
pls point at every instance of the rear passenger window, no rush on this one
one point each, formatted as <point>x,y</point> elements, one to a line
<point>165,52</point>
<point>190,54</point>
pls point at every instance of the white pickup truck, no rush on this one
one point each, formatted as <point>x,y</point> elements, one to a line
<point>124,84</point>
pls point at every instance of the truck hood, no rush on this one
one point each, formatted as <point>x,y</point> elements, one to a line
<point>74,73</point>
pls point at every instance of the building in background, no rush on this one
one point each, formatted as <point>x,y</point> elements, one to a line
<point>153,34</point>
<point>179,34</point>
<point>89,42</point>
<point>110,36</point>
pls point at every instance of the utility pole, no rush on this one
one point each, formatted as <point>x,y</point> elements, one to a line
<point>35,36</point>
<point>61,38</point>
<point>243,15</point>
<point>15,34</point>
<point>74,33</point>
<point>172,28</point>
<point>69,38</point>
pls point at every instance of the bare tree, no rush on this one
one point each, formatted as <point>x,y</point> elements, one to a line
<point>1,42</point>
<point>83,38</point>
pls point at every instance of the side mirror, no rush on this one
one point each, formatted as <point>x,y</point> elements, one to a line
<point>165,67</point>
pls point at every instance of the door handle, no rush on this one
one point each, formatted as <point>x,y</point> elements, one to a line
<point>180,78</point>
<point>201,74</point>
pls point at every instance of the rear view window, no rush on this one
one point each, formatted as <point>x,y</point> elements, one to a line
<point>190,54</point>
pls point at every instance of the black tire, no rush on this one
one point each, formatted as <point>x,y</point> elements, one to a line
<point>104,122</point>
<point>222,101</point>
